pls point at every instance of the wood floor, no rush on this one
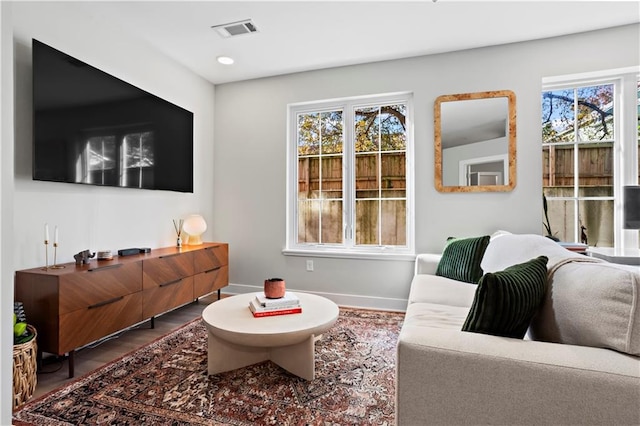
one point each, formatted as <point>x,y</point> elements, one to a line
<point>54,373</point>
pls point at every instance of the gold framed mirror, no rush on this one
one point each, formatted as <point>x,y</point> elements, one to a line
<point>475,142</point>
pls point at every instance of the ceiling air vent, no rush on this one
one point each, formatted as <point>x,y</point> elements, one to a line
<point>233,29</point>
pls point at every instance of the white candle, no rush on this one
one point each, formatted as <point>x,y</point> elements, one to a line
<point>46,232</point>
<point>55,235</point>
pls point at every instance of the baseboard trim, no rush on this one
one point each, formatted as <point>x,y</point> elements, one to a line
<point>347,300</point>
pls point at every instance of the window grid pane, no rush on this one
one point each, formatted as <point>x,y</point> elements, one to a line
<point>367,214</point>
<point>367,129</point>
<point>367,180</point>
<point>308,134</point>
<point>393,223</point>
<point>558,163</point>
<point>595,169</point>
<point>332,222</point>
<point>596,222</point>
<point>595,113</point>
<point>331,132</point>
<point>558,116</point>
<point>562,219</point>
<point>394,175</point>
<point>392,128</point>
<point>308,221</point>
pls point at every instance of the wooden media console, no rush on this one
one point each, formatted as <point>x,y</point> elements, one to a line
<point>76,305</point>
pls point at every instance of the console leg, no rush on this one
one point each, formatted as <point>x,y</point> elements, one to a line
<point>218,294</point>
<point>71,363</point>
<point>153,322</point>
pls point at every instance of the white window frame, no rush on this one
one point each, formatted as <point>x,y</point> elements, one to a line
<point>625,148</point>
<point>348,249</point>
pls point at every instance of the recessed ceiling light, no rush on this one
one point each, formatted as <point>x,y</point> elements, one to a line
<point>225,60</point>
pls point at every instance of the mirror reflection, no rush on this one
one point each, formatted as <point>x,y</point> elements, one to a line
<point>475,142</point>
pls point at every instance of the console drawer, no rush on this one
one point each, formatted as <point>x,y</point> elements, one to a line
<point>165,269</point>
<point>96,284</point>
<point>210,281</point>
<point>210,258</point>
<point>161,298</point>
<point>97,321</point>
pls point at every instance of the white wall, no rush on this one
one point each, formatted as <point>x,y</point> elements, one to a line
<point>6,214</point>
<point>88,217</point>
<point>250,169</point>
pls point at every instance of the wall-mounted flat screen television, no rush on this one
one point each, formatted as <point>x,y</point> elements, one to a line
<point>90,127</point>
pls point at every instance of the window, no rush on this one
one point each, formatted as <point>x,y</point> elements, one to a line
<point>586,150</point>
<point>350,189</point>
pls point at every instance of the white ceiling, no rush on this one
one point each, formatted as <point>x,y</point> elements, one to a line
<point>304,35</point>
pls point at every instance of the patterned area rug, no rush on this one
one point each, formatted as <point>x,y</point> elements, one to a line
<point>166,383</point>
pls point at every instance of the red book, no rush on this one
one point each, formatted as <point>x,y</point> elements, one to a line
<point>277,312</point>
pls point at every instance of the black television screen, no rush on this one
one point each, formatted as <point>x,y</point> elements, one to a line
<point>90,127</point>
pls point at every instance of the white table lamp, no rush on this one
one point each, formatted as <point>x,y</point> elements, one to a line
<point>194,225</point>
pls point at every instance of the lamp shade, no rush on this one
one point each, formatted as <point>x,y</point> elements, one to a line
<point>631,207</point>
<point>194,225</point>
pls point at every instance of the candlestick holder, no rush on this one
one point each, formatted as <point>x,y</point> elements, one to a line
<point>46,255</point>
<point>55,255</point>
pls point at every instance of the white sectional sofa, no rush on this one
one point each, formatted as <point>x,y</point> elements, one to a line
<point>578,365</point>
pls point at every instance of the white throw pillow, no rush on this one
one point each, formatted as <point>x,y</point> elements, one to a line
<point>512,249</point>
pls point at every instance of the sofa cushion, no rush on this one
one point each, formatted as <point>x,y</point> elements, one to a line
<point>434,315</point>
<point>461,259</point>
<point>441,290</point>
<point>506,301</point>
<point>591,303</point>
<point>510,249</point>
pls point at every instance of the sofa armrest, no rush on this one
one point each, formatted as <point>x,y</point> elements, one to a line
<point>427,263</point>
<point>454,377</point>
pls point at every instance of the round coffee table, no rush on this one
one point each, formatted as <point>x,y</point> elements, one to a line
<point>237,339</point>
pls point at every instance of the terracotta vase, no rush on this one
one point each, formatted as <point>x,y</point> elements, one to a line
<point>274,288</point>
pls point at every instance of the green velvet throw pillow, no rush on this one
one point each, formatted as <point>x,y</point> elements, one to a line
<point>506,301</point>
<point>461,259</point>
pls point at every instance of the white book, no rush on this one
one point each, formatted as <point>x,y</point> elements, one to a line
<point>289,299</point>
<point>256,307</point>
